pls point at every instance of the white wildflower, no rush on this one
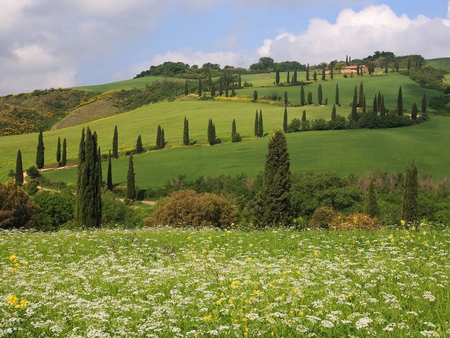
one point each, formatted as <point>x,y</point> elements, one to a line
<point>428,295</point>
<point>363,322</point>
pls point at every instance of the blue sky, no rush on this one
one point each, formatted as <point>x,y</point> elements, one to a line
<point>54,43</point>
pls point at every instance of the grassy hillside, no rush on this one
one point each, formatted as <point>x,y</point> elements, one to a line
<point>443,63</point>
<point>126,84</point>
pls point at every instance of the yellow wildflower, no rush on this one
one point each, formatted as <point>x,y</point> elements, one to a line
<point>23,303</point>
<point>13,300</point>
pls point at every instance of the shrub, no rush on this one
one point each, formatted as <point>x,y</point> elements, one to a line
<point>236,137</point>
<point>33,172</point>
<point>186,208</point>
<point>354,222</point>
<point>55,209</point>
<point>321,218</point>
<point>17,210</point>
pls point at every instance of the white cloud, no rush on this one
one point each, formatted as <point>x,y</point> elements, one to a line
<point>360,34</point>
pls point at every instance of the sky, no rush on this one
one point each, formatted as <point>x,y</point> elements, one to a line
<point>66,43</point>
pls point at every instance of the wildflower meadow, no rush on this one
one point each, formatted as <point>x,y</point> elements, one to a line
<point>227,283</point>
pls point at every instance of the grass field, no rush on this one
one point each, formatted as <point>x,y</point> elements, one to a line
<point>138,83</point>
<point>186,283</point>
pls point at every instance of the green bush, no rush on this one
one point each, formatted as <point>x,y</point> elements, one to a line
<point>322,218</point>
<point>55,209</point>
<point>236,137</point>
<point>186,208</point>
<point>17,210</point>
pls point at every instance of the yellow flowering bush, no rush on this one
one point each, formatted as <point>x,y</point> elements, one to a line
<point>354,222</point>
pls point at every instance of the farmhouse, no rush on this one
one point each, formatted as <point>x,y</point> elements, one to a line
<point>354,69</point>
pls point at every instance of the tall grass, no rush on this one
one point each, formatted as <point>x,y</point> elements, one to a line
<point>185,283</point>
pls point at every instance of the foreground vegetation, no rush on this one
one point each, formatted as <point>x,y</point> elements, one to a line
<point>186,283</point>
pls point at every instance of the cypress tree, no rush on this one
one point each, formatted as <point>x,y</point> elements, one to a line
<point>233,92</point>
<point>58,150</point>
<point>131,184</point>
<point>302,95</point>
<point>158,137</point>
<point>139,147</point>
<point>364,104</point>
<point>333,113</point>
<point>424,103</point>
<point>331,73</point>
<point>336,97</point>
<point>414,112</point>
<point>226,88</point>
<point>163,139</point>
<point>285,120</point>
<point>115,145</point>
<point>357,70</point>
<point>64,153</point>
<point>400,102</point>
<point>285,98</point>
<point>409,63</point>
<point>361,95</point>
<point>307,72</point>
<point>277,77</point>
<point>375,104</point>
<point>186,132</point>
<point>383,107</point>
<point>410,202</point>
<point>199,87</point>
<point>379,102</point>
<point>294,77</point>
<point>260,125</point>
<point>213,90</point>
<point>396,65</point>
<point>354,114</point>
<point>323,74</point>
<point>371,203</point>
<point>19,169</point>
<point>211,133</point>
<point>233,127</point>
<point>89,182</point>
<point>40,151</point>
<point>240,81</point>
<point>220,87</point>
<point>256,125</point>
<point>255,95</point>
<point>315,76</point>
<point>310,100</point>
<point>109,181</point>
<point>304,121</point>
<point>273,207</point>
<point>319,94</point>
<point>288,78</point>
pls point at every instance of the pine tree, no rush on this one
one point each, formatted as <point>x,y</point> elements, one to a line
<point>277,77</point>
<point>285,98</point>
<point>64,153</point>
<point>58,150</point>
<point>414,111</point>
<point>89,181</point>
<point>273,207</point>
<point>371,205</point>
<point>336,97</point>
<point>302,95</point>
<point>307,72</point>
<point>310,100</point>
<point>400,102</point>
<point>186,132</point>
<point>19,169</point>
<point>211,133</point>
<point>256,127</point>
<point>115,145</point>
<point>410,203</point>
<point>285,120</point>
<point>199,87</point>
<point>260,124</point>
<point>139,147</point>
<point>424,103</point>
<point>319,94</point>
<point>109,180</point>
<point>131,184</point>
<point>40,151</point>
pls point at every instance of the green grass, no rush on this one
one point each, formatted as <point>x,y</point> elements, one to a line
<point>187,283</point>
<point>443,63</point>
<point>138,83</point>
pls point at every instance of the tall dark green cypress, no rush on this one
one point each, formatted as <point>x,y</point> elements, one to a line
<point>273,206</point>
<point>64,153</point>
<point>200,87</point>
<point>233,127</point>
<point>383,107</point>
<point>139,147</point>
<point>307,72</point>
<point>424,103</point>
<point>58,150</point>
<point>19,169</point>
<point>315,76</point>
<point>158,137</point>
<point>163,139</point>
<point>354,114</point>
<point>361,95</point>
<point>304,121</point>
<point>294,77</point>
<point>115,143</point>
<point>285,120</point>
<point>319,94</point>
<point>211,133</point>
<point>40,151</point>
<point>400,102</point>
<point>414,111</point>
<point>375,104</point>
<point>302,95</point>
<point>213,90</point>
<point>371,203</point>
<point>255,95</point>
<point>131,184</point>
<point>89,182</point>
<point>379,101</point>
<point>288,78</point>
<point>260,124</point>
<point>255,130</point>
<point>310,99</point>
<point>186,132</point>
<point>333,113</point>
<point>323,74</point>
<point>336,96</point>
<point>285,98</point>
<point>109,180</point>
<point>410,202</point>
<point>331,73</point>
<point>277,77</point>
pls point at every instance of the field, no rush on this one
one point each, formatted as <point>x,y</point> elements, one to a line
<point>186,283</point>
